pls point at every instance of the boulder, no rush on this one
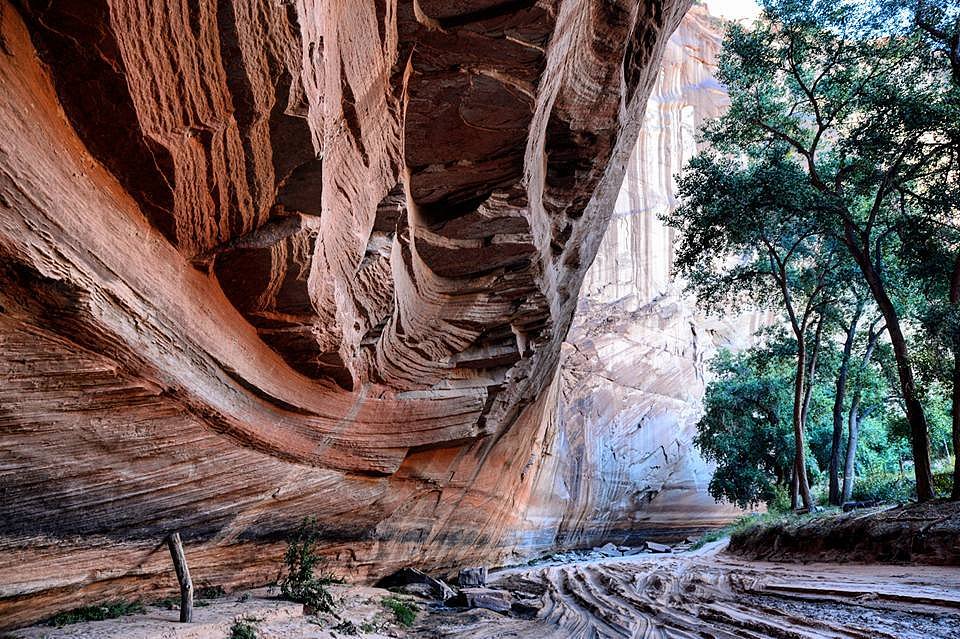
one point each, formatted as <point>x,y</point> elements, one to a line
<point>488,598</point>
<point>526,604</point>
<point>422,590</point>
<point>608,550</point>
<point>652,546</point>
<point>472,577</point>
<point>408,577</point>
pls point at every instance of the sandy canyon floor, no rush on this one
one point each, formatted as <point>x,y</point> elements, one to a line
<point>703,593</point>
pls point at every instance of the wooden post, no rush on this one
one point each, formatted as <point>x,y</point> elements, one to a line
<point>183,576</point>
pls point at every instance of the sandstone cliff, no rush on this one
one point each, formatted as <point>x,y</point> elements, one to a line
<point>620,462</point>
<point>261,260</point>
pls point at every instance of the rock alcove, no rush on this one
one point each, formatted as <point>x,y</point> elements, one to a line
<point>263,260</point>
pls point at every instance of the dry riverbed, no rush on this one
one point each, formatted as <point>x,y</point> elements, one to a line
<point>692,594</point>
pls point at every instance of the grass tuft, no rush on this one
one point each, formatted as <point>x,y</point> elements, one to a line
<point>245,628</point>
<point>110,610</point>
<point>404,612</point>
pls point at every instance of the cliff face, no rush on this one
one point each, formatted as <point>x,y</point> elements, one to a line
<point>265,260</point>
<point>620,459</point>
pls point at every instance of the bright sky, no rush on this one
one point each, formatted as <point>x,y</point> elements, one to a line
<point>733,9</point>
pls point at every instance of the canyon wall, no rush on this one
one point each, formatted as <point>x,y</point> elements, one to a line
<point>263,260</point>
<point>621,464</point>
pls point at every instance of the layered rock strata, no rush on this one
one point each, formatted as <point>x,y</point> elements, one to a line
<point>264,260</point>
<point>620,464</point>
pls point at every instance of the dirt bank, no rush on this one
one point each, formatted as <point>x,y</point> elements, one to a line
<point>918,534</point>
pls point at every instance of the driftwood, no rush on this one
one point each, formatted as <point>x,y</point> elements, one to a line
<point>183,576</point>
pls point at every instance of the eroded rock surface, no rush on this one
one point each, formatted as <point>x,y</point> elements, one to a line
<point>706,595</point>
<point>619,463</point>
<point>262,260</point>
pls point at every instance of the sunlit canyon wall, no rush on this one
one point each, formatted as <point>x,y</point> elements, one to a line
<point>620,463</point>
<point>266,260</point>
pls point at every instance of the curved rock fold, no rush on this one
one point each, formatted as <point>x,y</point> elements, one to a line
<point>261,260</point>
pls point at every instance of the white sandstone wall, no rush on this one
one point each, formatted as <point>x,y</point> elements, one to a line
<point>619,459</point>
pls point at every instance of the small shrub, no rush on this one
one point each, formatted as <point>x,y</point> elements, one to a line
<point>210,592</point>
<point>347,627</point>
<point>884,489</point>
<point>943,483</point>
<point>301,560</point>
<point>244,628</point>
<point>780,501</point>
<point>110,610</point>
<point>169,603</point>
<point>405,613</point>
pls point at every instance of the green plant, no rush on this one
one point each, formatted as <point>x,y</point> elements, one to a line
<point>780,502</point>
<point>244,628</point>
<point>746,523</point>
<point>404,612</point>
<point>301,560</point>
<point>347,627</point>
<point>210,592</point>
<point>884,488</point>
<point>943,483</point>
<point>110,610</point>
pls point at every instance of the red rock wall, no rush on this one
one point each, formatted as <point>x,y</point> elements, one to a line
<point>265,260</point>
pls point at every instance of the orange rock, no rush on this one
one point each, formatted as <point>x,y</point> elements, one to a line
<point>265,260</point>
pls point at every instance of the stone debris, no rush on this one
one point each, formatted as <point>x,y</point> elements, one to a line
<point>608,550</point>
<point>419,583</point>
<point>488,598</point>
<point>472,577</point>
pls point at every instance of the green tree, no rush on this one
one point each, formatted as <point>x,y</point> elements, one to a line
<point>746,426</point>
<point>869,395</point>
<point>745,236</point>
<point>864,111</point>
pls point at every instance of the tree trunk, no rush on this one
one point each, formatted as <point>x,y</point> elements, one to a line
<point>955,302</point>
<point>800,456</point>
<point>850,463</point>
<point>811,373</point>
<point>849,467</point>
<point>834,466</point>
<point>794,488</point>
<point>955,493</point>
<point>183,576</point>
<point>919,433</point>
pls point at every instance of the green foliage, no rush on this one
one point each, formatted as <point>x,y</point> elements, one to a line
<point>746,426</point>
<point>245,628</point>
<point>838,163</point>
<point>884,488</point>
<point>779,503</point>
<point>301,559</point>
<point>746,523</point>
<point>943,483</point>
<point>111,610</point>
<point>404,612</point>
